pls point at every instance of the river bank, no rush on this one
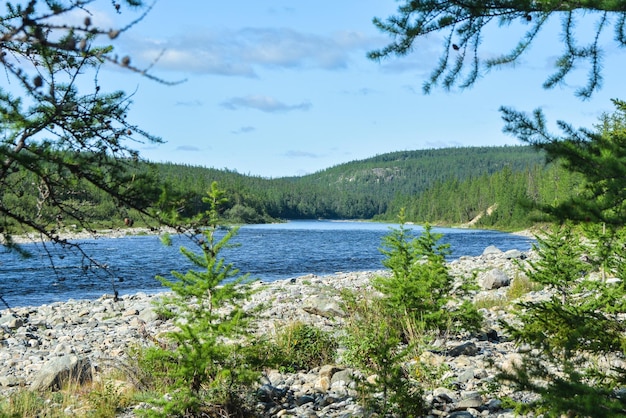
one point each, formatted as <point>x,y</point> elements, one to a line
<point>70,235</point>
<point>99,334</point>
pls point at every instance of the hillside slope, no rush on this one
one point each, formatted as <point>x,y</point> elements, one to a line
<point>440,180</point>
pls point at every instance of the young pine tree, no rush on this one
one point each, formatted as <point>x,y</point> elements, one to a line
<point>576,333</point>
<point>420,287</point>
<point>206,369</point>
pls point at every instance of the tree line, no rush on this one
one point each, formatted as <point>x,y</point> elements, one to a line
<point>444,186</point>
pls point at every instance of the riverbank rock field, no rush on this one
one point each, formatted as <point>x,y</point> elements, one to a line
<point>43,346</point>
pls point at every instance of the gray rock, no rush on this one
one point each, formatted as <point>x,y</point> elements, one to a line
<point>323,306</point>
<point>460,414</point>
<point>465,349</point>
<point>494,279</point>
<point>9,381</point>
<point>471,400</point>
<point>444,394</point>
<point>99,331</point>
<point>492,250</point>
<point>514,254</point>
<point>465,376</point>
<point>303,400</point>
<point>346,376</point>
<point>148,315</point>
<point>11,321</point>
<point>61,370</point>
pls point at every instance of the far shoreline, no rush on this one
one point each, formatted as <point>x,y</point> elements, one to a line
<point>123,232</point>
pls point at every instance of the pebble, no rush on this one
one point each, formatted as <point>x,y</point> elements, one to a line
<point>103,331</point>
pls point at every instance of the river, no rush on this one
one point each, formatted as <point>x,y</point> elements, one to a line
<point>268,252</point>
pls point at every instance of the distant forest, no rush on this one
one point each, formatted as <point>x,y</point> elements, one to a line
<point>489,187</point>
<point>451,186</point>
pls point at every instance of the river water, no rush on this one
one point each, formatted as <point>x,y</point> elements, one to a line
<point>267,252</point>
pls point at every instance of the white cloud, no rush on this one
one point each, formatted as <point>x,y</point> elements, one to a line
<point>190,103</point>
<point>263,103</point>
<point>243,52</point>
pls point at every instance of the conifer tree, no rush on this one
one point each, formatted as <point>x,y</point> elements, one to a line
<point>599,155</point>
<point>206,370</point>
<point>576,334</point>
<point>420,285</point>
<point>58,135</point>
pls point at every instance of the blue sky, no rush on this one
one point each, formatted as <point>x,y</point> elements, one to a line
<point>280,88</point>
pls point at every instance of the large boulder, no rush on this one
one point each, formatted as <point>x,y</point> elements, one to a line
<point>492,250</point>
<point>493,279</point>
<point>324,306</point>
<point>61,370</point>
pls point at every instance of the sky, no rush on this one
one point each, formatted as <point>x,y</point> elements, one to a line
<point>284,88</point>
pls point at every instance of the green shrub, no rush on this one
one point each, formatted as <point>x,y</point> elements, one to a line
<point>25,403</point>
<point>521,285</point>
<point>302,346</point>
<point>374,346</point>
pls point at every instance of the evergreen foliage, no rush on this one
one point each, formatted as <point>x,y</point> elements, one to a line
<point>576,334</point>
<point>375,346</point>
<point>435,186</point>
<point>598,155</point>
<point>419,291</point>
<point>374,187</point>
<point>206,368</point>
<point>301,346</point>
<point>384,332</point>
<point>64,150</point>
<point>462,26</point>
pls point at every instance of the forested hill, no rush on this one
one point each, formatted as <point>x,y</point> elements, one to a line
<point>446,186</point>
<point>412,172</point>
<point>449,186</point>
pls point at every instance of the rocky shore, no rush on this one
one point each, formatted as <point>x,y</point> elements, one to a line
<point>88,337</point>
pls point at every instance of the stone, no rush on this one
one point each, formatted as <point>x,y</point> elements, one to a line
<point>270,394</point>
<point>444,394</point>
<point>470,400</point>
<point>323,306</point>
<point>323,383</point>
<point>328,370</point>
<point>465,376</point>
<point>99,332</point>
<point>303,400</point>
<point>130,312</point>
<point>62,370</point>
<point>9,381</point>
<point>492,250</point>
<point>148,315</point>
<point>466,349</point>
<point>461,414</point>
<point>494,279</point>
<point>11,321</point>
<point>346,376</point>
<point>512,362</point>
<point>514,254</point>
